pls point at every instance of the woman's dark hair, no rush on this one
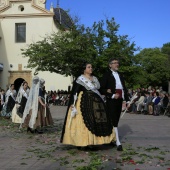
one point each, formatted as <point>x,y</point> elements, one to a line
<point>24,82</point>
<point>11,85</point>
<point>83,66</point>
<point>142,94</point>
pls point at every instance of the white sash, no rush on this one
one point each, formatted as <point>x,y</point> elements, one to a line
<point>90,85</point>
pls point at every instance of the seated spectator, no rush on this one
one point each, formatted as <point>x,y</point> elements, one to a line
<point>53,98</point>
<point>67,100</point>
<point>63,100</point>
<point>49,99</point>
<point>139,102</point>
<point>132,107</point>
<point>57,101</point>
<point>154,102</point>
<point>163,103</point>
<point>147,101</point>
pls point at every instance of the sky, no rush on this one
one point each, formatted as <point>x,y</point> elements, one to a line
<point>146,22</point>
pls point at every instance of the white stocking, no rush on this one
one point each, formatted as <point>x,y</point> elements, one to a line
<point>117,136</point>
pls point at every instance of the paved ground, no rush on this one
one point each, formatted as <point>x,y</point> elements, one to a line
<point>146,142</point>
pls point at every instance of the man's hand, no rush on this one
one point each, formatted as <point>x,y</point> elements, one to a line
<point>109,91</point>
<point>116,96</point>
<point>128,106</point>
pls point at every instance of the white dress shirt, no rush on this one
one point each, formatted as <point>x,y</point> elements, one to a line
<point>117,78</point>
<point>118,83</point>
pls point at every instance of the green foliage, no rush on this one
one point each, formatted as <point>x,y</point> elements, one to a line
<point>95,162</point>
<point>64,52</point>
<point>166,49</point>
<point>152,67</point>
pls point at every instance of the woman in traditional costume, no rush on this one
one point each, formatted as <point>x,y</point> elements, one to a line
<point>87,121</point>
<point>22,96</point>
<point>9,102</point>
<point>36,113</point>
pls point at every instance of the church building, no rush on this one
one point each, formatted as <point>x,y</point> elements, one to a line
<point>23,22</point>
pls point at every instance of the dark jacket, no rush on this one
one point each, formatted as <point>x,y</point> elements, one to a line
<point>108,82</point>
<point>165,101</point>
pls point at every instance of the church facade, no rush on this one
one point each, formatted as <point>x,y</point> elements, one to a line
<point>23,22</point>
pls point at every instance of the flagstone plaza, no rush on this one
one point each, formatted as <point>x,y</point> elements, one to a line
<point>145,139</point>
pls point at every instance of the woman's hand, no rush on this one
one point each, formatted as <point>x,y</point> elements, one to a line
<point>44,105</point>
<point>72,106</point>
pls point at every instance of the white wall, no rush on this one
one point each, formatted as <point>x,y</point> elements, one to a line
<point>37,27</point>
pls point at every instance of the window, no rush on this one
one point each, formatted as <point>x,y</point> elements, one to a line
<point>20,32</point>
<point>21,8</point>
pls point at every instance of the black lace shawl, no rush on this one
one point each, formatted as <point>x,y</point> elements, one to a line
<point>22,104</point>
<point>10,104</point>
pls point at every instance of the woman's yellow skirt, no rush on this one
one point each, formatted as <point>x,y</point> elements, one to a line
<point>77,133</point>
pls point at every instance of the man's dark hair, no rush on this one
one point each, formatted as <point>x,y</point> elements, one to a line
<point>157,93</point>
<point>112,59</point>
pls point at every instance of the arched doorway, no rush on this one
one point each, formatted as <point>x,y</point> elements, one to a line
<point>17,83</point>
<point>17,77</point>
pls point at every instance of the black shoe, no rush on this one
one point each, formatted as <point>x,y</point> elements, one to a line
<point>119,148</point>
<point>30,130</point>
<point>38,131</point>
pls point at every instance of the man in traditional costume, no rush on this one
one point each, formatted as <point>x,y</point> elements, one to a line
<point>113,87</point>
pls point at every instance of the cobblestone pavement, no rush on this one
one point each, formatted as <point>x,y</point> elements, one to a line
<point>145,139</point>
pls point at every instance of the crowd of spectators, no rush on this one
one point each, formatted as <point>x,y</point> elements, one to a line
<point>151,101</point>
<point>60,97</point>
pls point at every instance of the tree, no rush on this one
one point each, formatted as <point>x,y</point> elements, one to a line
<point>64,52</point>
<point>166,50</point>
<point>154,67</point>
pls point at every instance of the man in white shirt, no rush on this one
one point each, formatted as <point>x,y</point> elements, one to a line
<point>113,87</point>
